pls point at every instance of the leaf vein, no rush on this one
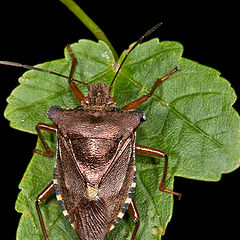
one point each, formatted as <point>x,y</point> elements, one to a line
<point>198,129</point>
<point>182,117</point>
<point>194,95</point>
<point>62,92</point>
<point>151,56</point>
<point>164,123</point>
<point>150,196</point>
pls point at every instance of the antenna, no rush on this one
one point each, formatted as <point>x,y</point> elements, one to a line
<point>14,64</point>
<point>128,52</point>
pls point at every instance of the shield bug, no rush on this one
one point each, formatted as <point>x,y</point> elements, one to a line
<point>95,175</point>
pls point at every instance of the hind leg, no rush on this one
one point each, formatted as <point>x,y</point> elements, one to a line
<point>135,216</point>
<point>42,196</point>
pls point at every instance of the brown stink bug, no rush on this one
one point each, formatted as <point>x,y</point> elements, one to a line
<point>95,174</point>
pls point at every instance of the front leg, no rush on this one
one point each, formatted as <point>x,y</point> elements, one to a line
<point>48,128</point>
<point>78,94</point>
<point>132,105</point>
<point>148,151</point>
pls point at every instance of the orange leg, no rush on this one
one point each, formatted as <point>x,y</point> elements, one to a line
<point>50,188</point>
<point>42,196</point>
<point>157,153</point>
<point>49,128</point>
<point>135,216</point>
<point>144,98</point>
<point>79,95</point>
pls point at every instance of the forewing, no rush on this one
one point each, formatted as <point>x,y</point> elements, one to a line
<point>90,218</point>
<point>116,184</point>
<point>93,218</point>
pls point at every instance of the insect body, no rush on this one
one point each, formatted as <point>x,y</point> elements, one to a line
<point>95,174</point>
<point>98,152</point>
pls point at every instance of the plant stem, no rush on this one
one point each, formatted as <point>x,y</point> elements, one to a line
<point>89,23</point>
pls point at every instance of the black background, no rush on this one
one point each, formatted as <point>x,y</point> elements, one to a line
<point>32,32</point>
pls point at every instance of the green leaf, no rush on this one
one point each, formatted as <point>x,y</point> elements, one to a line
<point>190,117</point>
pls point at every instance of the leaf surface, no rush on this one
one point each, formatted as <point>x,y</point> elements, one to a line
<point>189,116</point>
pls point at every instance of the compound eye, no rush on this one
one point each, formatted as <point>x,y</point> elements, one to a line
<point>111,100</point>
<point>86,100</point>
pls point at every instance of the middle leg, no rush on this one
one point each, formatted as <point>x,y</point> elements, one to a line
<point>48,128</point>
<point>157,153</point>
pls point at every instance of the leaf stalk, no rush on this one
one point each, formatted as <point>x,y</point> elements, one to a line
<point>89,23</point>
